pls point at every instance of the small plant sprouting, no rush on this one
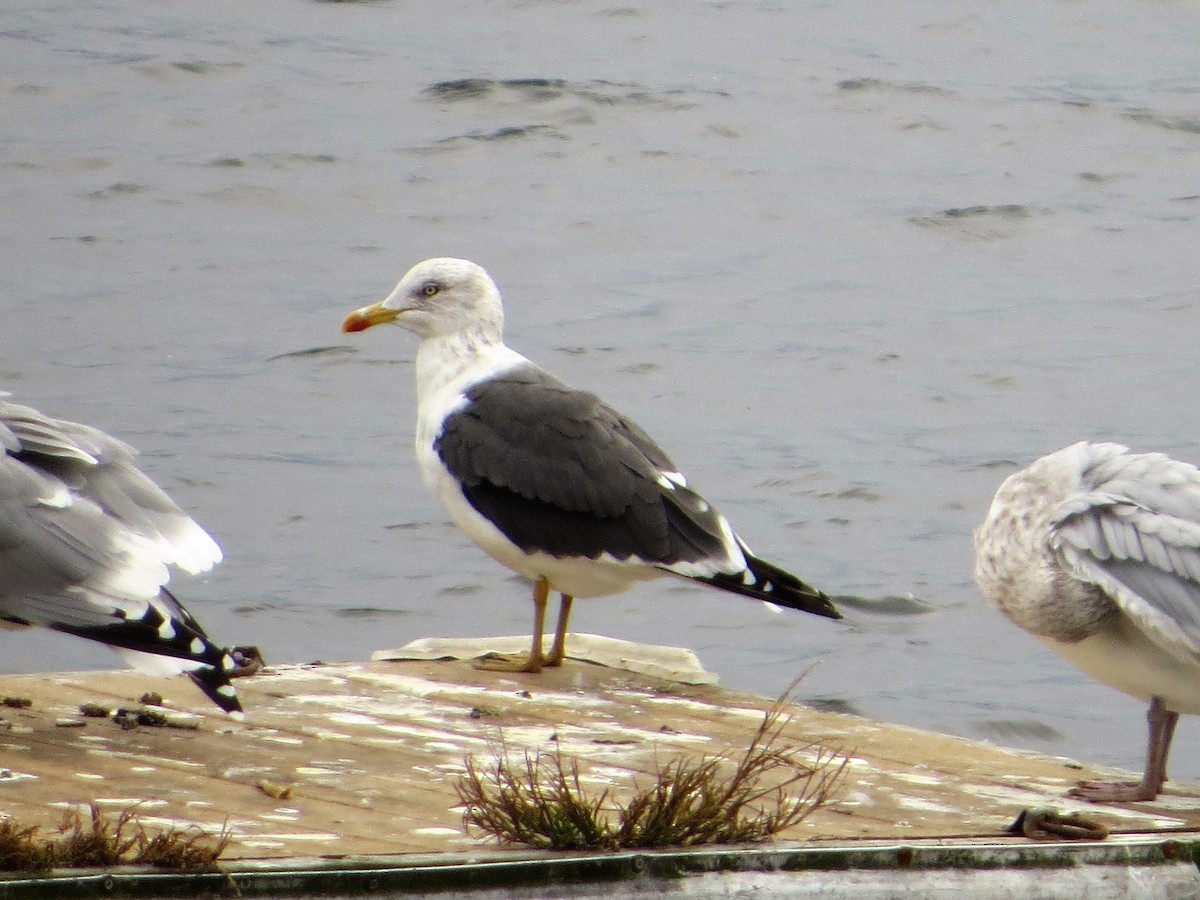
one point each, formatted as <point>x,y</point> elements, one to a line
<point>540,801</point>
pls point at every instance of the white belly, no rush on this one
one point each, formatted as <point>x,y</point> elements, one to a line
<point>1122,657</point>
<point>575,576</point>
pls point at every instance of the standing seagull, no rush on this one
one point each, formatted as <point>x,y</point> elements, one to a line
<point>548,480</point>
<point>1095,550</point>
<point>85,544</point>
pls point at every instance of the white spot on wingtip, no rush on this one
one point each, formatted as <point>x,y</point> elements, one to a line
<point>671,480</point>
<point>60,499</point>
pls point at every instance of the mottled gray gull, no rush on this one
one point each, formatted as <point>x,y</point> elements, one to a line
<point>549,480</point>
<point>1095,550</point>
<point>86,542</point>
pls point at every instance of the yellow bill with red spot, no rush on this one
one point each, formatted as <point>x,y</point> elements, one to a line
<point>366,316</point>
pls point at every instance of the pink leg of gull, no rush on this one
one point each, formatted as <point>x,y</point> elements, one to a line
<point>1162,723</point>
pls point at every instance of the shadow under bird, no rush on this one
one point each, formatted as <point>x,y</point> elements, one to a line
<point>86,545</point>
<point>1095,550</point>
<point>548,480</point>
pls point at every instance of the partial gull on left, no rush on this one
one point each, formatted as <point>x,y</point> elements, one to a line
<point>87,542</point>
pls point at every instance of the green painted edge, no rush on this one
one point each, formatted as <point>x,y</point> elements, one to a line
<point>462,873</point>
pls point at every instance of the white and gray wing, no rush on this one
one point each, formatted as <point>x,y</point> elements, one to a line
<point>86,545</point>
<point>1136,535</point>
<point>99,468</point>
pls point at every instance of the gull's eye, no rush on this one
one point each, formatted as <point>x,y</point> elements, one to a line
<point>431,289</point>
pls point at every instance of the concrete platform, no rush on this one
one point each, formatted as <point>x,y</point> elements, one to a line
<point>352,767</point>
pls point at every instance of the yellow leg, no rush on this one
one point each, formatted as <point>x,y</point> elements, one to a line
<point>559,651</point>
<point>534,661</point>
<point>541,593</point>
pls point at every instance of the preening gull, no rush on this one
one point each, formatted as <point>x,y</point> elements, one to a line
<point>86,542</point>
<point>549,480</point>
<point>1095,550</point>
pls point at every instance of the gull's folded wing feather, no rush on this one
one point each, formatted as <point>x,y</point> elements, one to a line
<point>1137,537</point>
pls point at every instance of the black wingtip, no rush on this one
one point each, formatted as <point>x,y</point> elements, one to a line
<point>828,610</point>
<point>817,603</point>
<point>168,630</point>
<point>800,596</point>
<point>764,581</point>
<point>214,680</point>
<point>215,684</point>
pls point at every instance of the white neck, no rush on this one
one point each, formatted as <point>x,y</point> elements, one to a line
<point>458,360</point>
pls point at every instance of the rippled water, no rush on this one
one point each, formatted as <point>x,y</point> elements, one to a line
<point>849,262</point>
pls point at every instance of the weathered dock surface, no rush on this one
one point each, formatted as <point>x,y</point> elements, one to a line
<point>362,758</point>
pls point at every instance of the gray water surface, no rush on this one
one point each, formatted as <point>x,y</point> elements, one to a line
<point>850,263</point>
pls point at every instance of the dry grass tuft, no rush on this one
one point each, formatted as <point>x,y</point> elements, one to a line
<point>97,842</point>
<point>100,842</point>
<point>541,804</point>
<point>21,850</point>
<point>769,788</point>
<point>187,851</point>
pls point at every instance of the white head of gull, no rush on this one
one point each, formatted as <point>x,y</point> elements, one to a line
<point>549,480</point>
<point>1095,550</point>
<point>86,545</point>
